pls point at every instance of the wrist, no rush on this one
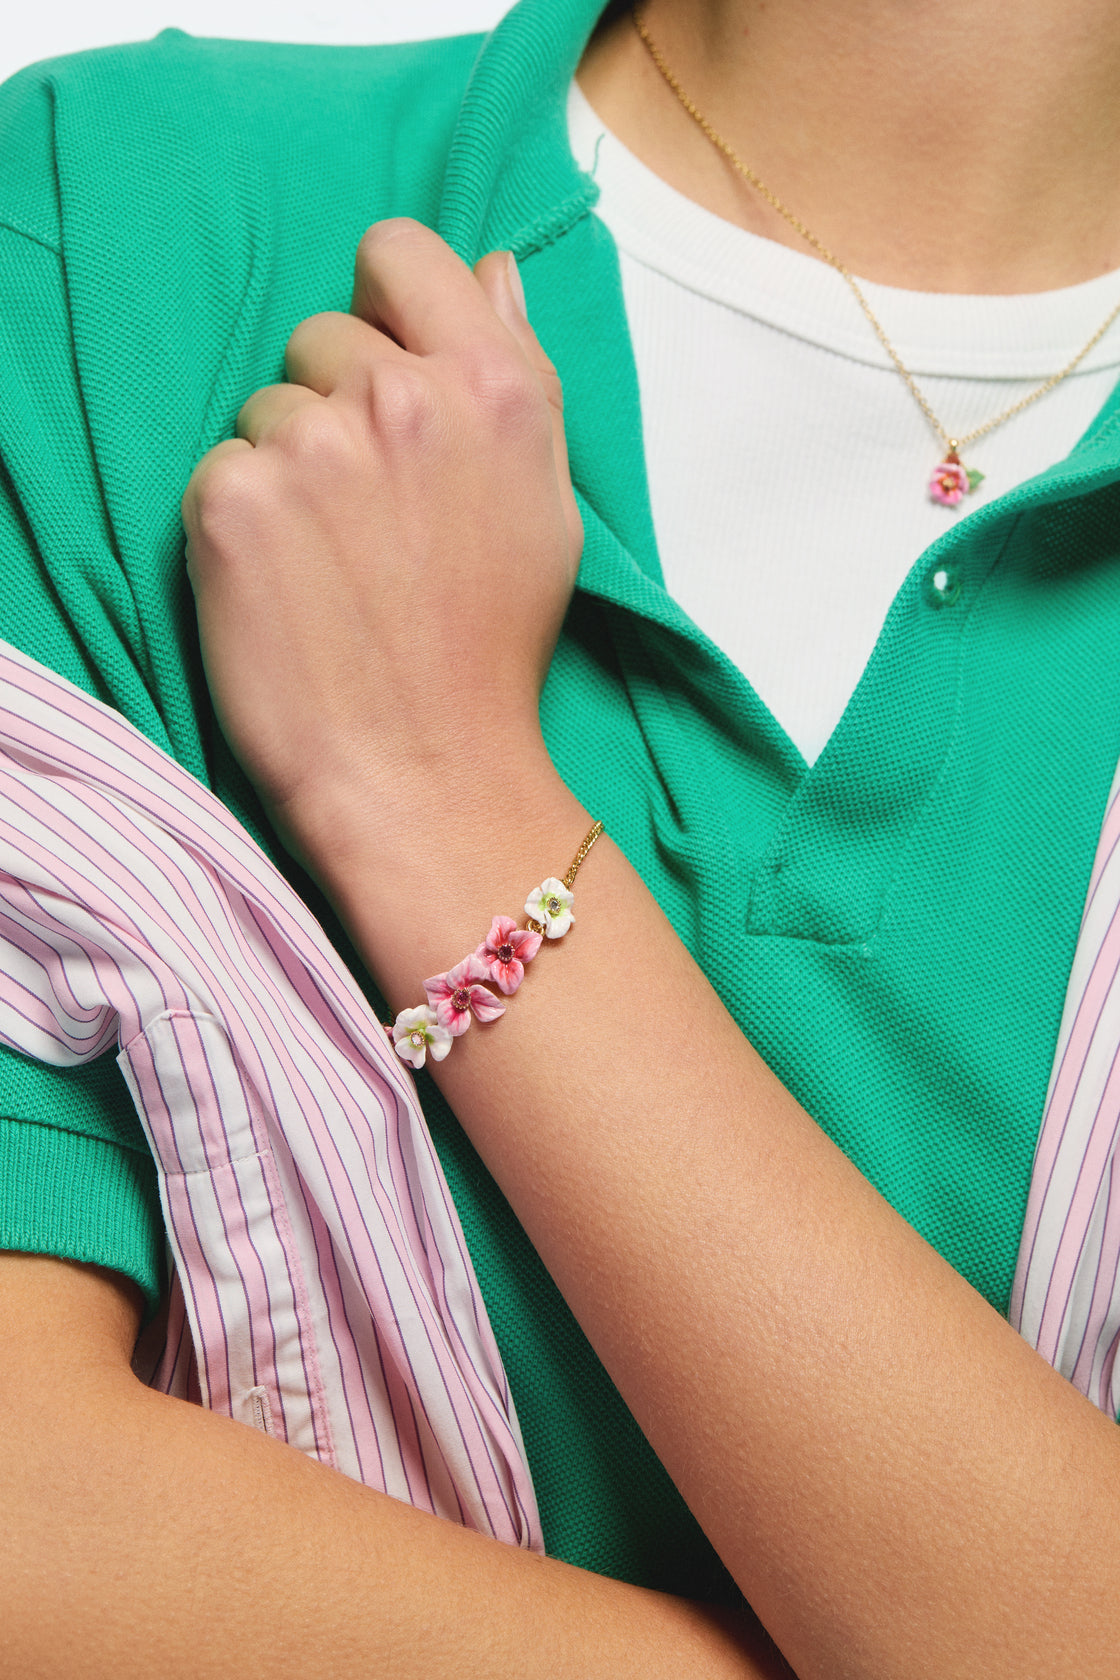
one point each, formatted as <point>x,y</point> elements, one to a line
<point>417,879</point>
<point>394,812</point>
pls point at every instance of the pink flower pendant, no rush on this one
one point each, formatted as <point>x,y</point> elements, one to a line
<point>951,481</point>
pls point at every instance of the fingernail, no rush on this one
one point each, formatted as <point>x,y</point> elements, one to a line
<point>515,285</point>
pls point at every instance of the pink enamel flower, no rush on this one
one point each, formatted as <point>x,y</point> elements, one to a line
<point>505,951</point>
<point>415,1032</point>
<point>455,996</point>
<point>949,483</point>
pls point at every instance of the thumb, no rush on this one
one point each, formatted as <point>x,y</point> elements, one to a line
<point>498,275</point>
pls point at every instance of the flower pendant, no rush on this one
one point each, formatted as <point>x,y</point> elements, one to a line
<point>950,481</point>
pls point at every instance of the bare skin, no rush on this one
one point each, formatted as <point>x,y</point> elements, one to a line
<point>962,146</point>
<point>902,1488</point>
<point>145,1537</point>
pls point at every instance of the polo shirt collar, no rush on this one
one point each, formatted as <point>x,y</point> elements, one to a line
<point>510,172</point>
<point>512,183</point>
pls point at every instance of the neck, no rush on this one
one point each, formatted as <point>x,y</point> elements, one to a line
<point>957,146</point>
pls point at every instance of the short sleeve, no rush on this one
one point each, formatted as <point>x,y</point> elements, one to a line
<point>76,1175</point>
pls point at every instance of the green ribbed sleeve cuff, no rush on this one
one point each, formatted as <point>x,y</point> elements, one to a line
<point>81,1198</point>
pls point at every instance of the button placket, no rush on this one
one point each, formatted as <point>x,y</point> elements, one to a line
<point>943,584</point>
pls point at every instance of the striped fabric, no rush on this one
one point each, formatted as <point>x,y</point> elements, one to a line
<point>321,1286</point>
<point>1066,1296</point>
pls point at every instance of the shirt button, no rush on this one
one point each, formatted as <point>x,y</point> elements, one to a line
<point>943,585</point>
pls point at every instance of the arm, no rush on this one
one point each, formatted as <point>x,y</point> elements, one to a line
<point>142,1536</point>
<point>892,1475</point>
<point>145,1536</point>
<point>899,1484</point>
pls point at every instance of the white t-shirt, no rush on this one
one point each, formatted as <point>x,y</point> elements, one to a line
<point>787,460</point>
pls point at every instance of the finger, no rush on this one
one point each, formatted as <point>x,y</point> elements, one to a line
<point>270,407</point>
<point>410,284</point>
<point>498,275</point>
<point>212,465</point>
<point>327,352</point>
<point>213,462</point>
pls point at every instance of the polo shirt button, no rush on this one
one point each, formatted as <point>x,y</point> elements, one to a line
<point>943,585</point>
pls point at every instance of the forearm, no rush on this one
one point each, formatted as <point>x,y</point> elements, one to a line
<point>143,1536</point>
<point>899,1484</point>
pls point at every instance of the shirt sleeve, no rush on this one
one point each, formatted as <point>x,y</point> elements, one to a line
<point>76,1176</point>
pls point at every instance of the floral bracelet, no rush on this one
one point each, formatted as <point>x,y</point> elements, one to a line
<point>460,993</point>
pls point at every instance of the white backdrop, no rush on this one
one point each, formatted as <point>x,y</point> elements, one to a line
<point>45,28</point>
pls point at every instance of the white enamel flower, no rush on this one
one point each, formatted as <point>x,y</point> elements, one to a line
<point>415,1032</point>
<point>550,904</point>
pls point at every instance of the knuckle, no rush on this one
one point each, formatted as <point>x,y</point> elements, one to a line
<point>501,385</point>
<point>308,335</point>
<point>220,496</point>
<point>403,403</point>
<point>316,435</point>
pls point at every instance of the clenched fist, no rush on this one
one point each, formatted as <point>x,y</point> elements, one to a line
<point>382,557</point>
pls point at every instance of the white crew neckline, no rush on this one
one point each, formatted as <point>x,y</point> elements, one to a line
<point>1025,336</point>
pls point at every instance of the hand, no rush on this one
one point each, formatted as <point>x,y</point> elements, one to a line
<point>383,556</point>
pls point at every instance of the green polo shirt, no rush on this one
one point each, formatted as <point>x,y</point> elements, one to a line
<point>892,928</point>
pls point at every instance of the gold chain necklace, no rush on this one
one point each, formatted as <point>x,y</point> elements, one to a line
<point>950,480</point>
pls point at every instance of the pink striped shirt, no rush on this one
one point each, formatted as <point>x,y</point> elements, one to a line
<point>322,1289</point>
<point>1066,1297</point>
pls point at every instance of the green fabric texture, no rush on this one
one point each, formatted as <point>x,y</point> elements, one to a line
<point>892,928</point>
<point>82,1197</point>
